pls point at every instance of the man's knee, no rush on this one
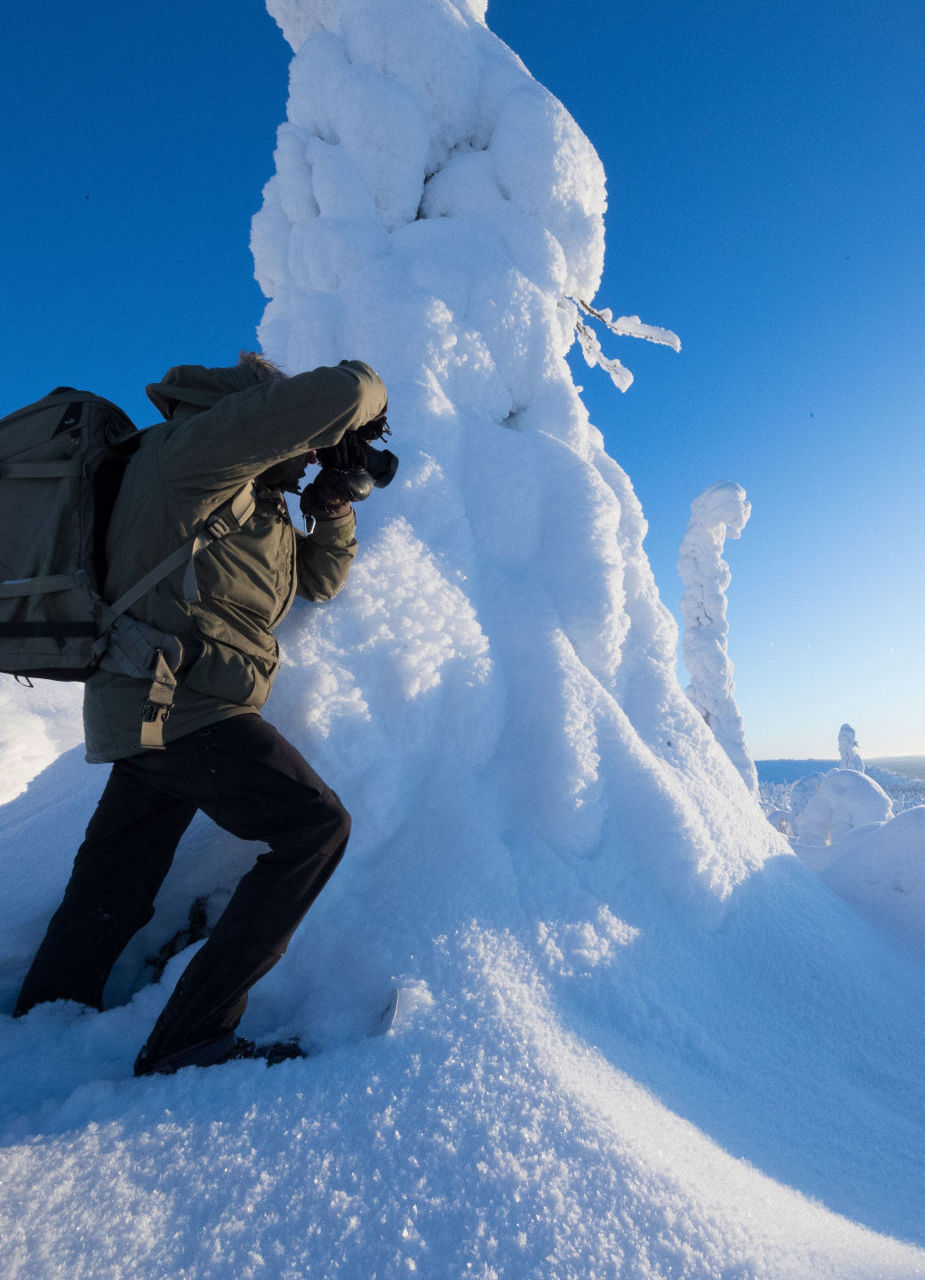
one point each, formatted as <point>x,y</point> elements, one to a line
<point>340,816</point>
<point>332,821</point>
<point>321,828</point>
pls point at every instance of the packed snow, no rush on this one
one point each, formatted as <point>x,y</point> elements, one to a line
<point>638,1035</point>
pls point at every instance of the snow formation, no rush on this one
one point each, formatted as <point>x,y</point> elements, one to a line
<point>638,1037</point>
<point>720,512</point>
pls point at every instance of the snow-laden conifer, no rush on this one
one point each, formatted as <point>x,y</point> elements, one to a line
<point>720,512</point>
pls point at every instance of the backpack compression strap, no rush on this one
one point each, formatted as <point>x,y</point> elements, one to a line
<point>64,469</point>
<point>158,705</point>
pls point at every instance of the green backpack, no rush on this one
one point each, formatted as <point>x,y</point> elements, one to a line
<point>61,464</point>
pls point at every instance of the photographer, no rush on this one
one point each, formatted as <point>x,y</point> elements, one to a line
<point>251,426</point>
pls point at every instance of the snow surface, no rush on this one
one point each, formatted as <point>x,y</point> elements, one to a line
<point>638,1036</point>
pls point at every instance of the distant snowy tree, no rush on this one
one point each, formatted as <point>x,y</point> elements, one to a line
<point>848,749</point>
<point>719,512</point>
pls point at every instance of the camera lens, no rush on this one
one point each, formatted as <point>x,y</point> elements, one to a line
<point>381,465</point>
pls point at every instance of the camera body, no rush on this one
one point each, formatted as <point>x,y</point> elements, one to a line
<point>357,483</point>
<point>351,469</point>
<point>381,465</point>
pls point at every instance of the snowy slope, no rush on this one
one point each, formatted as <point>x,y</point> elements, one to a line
<point>638,1037</point>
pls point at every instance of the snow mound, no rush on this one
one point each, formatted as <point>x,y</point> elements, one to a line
<point>843,800</point>
<point>36,725</point>
<point>880,870</point>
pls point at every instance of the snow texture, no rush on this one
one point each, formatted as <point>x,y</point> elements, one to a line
<point>720,512</point>
<point>638,1036</point>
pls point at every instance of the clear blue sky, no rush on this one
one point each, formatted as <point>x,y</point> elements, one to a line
<point>767,184</point>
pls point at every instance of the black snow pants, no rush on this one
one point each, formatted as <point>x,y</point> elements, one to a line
<point>249,780</point>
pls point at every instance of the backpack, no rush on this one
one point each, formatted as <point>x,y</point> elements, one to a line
<point>61,464</point>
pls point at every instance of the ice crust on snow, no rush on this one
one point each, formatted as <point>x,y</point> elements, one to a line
<point>638,1036</point>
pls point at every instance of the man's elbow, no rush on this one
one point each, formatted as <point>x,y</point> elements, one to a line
<point>327,591</point>
<point>317,589</point>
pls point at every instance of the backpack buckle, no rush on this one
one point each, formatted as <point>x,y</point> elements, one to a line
<point>218,527</point>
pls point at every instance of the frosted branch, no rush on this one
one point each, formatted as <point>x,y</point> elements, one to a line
<point>594,355</point>
<point>631,326</point>
<point>623,327</point>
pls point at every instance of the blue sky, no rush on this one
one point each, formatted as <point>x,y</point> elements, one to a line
<point>766,180</point>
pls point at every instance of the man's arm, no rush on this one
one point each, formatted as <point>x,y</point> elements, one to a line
<point>249,431</point>
<point>323,560</point>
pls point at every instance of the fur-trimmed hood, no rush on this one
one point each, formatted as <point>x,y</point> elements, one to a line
<point>194,384</point>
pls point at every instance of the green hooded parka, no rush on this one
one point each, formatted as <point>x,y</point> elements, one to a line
<point>225,427</point>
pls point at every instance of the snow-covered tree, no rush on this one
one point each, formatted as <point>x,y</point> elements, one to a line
<point>720,512</point>
<point>848,749</point>
<point>606,1060</point>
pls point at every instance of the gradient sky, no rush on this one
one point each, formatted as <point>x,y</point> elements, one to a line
<point>766,179</point>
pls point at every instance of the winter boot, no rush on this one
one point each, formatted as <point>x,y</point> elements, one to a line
<point>210,1053</point>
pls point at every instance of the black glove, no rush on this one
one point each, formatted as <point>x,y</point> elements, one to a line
<point>327,497</point>
<point>350,470</point>
<point>347,454</point>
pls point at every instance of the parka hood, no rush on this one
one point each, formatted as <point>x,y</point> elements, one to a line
<point>196,385</point>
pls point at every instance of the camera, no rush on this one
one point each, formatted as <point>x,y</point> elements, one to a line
<point>353,468</point>
<point>381,465</point>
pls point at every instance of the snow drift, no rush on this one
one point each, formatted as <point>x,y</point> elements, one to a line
<point>637,1036</point>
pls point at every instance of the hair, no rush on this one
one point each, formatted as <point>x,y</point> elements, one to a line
<point>264,369</point>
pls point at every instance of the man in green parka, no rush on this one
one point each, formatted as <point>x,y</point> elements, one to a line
<point>249,429</point>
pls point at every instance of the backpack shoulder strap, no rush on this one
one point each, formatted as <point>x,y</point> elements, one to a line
<point>159,701</point>
<point>229,517</point>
